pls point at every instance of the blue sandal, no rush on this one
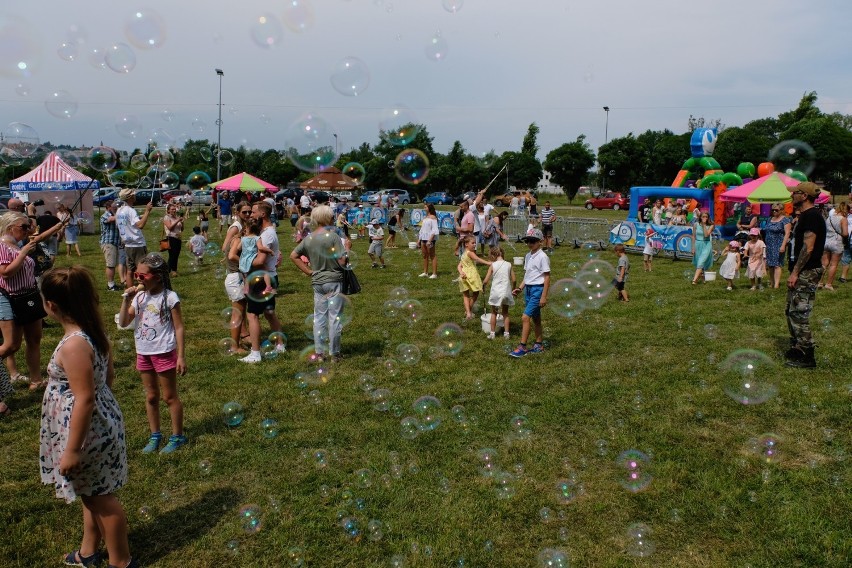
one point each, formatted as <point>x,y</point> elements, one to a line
<point>77,559</point>
<point>132,564</point>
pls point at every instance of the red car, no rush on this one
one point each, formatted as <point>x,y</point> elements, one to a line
<point>608,200</point>
<point>177,195</point>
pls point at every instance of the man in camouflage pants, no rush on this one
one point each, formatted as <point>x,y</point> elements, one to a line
<point>805,275</point>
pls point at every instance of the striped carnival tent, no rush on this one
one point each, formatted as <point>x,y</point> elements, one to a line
<point>51,175</point>
<point>54,182</point>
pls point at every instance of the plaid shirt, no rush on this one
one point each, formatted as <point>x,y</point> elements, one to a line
<point>109,231</point>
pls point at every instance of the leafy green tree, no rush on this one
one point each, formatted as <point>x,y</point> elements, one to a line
<point>530,143</point>
<point>569,164</point>
<point>524,169</point>
<point>664,153</point>
<point>621,163</point>
<point>806,110</point>
<point>832,145</point>
<point>381,167</point>
<point>739,145</point>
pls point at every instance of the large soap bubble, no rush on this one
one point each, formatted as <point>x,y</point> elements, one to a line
<point>310,143</point>
<point>748,376</point>
<point>350,77</point>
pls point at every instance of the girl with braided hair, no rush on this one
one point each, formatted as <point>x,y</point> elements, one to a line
<point>159,335</point>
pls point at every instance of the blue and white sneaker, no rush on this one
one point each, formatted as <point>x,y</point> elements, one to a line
<point>175,442</point>
<point>153,443</point>
<point>537,348</point>
<point>519,351</point>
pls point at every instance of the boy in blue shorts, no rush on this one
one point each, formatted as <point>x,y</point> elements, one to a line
<point>535,286</point>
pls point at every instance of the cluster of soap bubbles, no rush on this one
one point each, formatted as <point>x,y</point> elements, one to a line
<point>400,306</point>
<point>588,290</point>
<point>250,518</point>
<point>428,416</point>
<point>639,542</point>
<point>748,376</point>
<point>552,558</point>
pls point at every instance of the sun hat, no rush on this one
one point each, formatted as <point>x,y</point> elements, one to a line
<point>125,194</point>
<point>754,232</point>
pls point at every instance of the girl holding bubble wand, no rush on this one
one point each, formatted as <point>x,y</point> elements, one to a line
<point>83,452</point>
<point>470,284</point>
<point>159,335</point>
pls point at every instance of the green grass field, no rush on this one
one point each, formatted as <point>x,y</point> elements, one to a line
<point>644,375</point>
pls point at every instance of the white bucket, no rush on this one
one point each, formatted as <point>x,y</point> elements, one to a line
<point>519,260</point>
<point>709,276</point>
<point>412,245</point>
<point>353,236</point>
<point>486,322</point>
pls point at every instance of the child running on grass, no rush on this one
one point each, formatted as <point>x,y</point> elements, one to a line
<point>755,250</point>
<point>470,284</point>
<point>731,265</point>
<point>82,429</point>
<point>622,269</point>
<point>159,335</point>
<point>502,277</point>
<point>198,244</point>
<point>535,286</point>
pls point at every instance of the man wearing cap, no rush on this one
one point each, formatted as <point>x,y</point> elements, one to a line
<point>130,227</point>
<point>805,275</point>
<point>535,286</point>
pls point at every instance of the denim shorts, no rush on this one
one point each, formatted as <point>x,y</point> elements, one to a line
<point>6,313</point>
<point>846,259</point>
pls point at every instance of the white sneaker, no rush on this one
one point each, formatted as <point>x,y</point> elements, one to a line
<point>433,277</point>
<point>423,275</point>
<point>506,335</point>
<point>491,335</point>
<point>252,358</point>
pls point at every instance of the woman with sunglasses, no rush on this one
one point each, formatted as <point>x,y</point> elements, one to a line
<point>233,279</point>
<point>21,309</point>
<point>777,231</point>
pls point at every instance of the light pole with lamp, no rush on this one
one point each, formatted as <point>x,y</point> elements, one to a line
<point>336,151</point>
<point>606,139</point>
<point>221,74</point>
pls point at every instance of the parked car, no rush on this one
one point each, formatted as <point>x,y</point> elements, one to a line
<point>172,194</point>
<point>104,194</point>
<point>347,195</point>
<point>5,196</point>
<point>467,195</point>
<point>365,197</point>
<point>288,193</point>
<point>401,195</point>
<point>319,196</point>
<point>144,196</point>
<point>608,200</point>
<point>506,199</point>
<point>202,197</point>
<point>439,198</point>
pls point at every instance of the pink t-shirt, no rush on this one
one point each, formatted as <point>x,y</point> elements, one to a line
<point>467,224</point>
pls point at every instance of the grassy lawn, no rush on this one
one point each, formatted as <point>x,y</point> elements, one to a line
<point>644,375</point>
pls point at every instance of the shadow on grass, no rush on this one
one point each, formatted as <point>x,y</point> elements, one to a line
<point>182,526</point>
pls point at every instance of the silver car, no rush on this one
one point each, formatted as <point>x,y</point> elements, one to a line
<point>202,197</point>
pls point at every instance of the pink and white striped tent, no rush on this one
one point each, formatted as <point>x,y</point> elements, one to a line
<point>52,174</point>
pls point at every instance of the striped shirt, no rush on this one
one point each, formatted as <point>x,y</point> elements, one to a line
<point>24,279</point>
<point>109,230</point>
<point>547,216</point>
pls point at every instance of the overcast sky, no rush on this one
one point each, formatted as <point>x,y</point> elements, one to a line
<point>480,75</point>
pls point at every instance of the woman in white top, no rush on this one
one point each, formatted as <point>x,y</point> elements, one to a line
<point>836,228</point>
<point>427,238</point>
<point>72,228</point>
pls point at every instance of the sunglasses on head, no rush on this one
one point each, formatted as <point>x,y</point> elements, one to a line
<point>143,275</point>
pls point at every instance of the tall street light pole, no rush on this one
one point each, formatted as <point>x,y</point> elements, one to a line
<point>221,74</point>
<point>336,151</point>
<point>606,139</point>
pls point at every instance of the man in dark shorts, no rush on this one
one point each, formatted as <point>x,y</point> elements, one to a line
<point>547,216</point>
<point>805,275</point>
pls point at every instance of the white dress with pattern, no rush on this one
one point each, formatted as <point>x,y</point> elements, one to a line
<point>104,458</point>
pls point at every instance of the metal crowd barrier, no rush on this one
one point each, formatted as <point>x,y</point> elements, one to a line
<point>567,231</point>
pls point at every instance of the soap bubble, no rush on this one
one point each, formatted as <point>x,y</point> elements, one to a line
<point>278,338</point>
<point>504,485</point>
<point>320,458</point>
<point>310,143</point>
<point>356,171</point>
<point>205,153</point>
<point>791,156</point>
<point>21,47</point>
<point>121,58</point>
<point>232,414</point>
<point>101,158</point>
<point>633,466</point>
<point>145,29</point>
<point>449,339</point>
<point>552,558</point>
<point>296,556</point>
<point>22,90</point>
<point>205,467</point>
<point>197,180</point>
<point>748,376</point>
<point>428,410</point>
<point>162,159</point>
<point>21,138</point>
<point>227,346</point>
<point>567,490</point>
<point>711,331</point>
<point>269,428</point>
<point>266,31</point>
<point>84,217</point>
<point>327,242</point>
<point>520,427</point>
<point>67,51</point>
<point>298,15</point>
<point>391,367</point>
<point>409,427</point>
<point>225,158</point>
<point>568,298</point>
<point>411,166</point>
<point>398,125</point>
<point>364,478</point>
<point>399,294</point>
<point>381,399</point>
<point>256,288</point>
<point>411,311</point>
<point>145,513</point>
<point>230,318</point>
<point>350,77</point>
<point>638,542</point>
<point>766,447</point>
<point>436,48</point>
<point>250,518</point>
<point>390,308</point>
<point>61,104</point>
<point>351,528</point>
<point>409,354</point>
<point>453,6</point>
<point>375,530</point>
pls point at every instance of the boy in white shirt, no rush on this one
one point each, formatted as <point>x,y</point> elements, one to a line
<point>535,286</point>
<point>198,244</point>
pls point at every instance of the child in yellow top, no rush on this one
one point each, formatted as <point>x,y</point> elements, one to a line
<point>470,284</point>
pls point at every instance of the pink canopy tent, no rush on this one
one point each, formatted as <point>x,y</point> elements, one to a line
<point>243,182</point>
<point>773,188</point>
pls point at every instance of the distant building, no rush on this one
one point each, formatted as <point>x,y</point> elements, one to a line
<point>546,186</point>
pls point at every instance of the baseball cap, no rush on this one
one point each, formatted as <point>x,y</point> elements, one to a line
<point>533,235</point>
<point>375,221</point>
<point>754,231</point>
<point>126,194</point>
<point>809,188</point>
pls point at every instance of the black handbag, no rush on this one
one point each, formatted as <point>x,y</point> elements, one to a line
<point>350,281</point>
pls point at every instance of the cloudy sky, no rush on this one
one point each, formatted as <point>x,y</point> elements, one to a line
<point>478,71</point>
